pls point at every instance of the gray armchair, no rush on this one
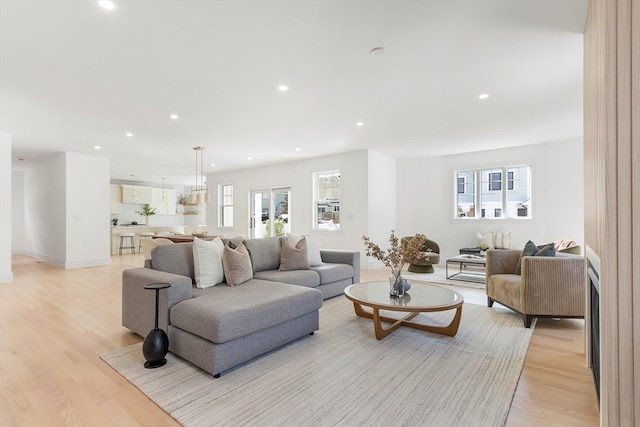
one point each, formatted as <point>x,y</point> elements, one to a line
<point>547,287</point>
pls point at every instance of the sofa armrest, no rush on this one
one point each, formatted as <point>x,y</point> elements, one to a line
<point>138,304</point>
<point>337,256</point>
<point>501,261</point>
<point>554,285</point>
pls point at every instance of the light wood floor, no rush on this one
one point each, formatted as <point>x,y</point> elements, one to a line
<point>55,323</point>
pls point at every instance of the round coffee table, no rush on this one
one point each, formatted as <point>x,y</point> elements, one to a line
<point>422,298</point>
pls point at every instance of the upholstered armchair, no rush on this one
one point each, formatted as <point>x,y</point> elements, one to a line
<point>546,287</point>
<point>431,256</point>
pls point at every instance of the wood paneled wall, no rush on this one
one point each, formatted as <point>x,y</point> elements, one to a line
<point>612,196</point>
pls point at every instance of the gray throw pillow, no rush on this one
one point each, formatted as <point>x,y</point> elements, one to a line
<point>548,250</point>
<point>237,265</point>
<point>530,249</point>
<point>294,257</point>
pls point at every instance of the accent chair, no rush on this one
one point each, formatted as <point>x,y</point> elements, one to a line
<point>547,286</point>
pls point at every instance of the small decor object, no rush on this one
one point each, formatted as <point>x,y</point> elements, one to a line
<point>483,249</point>
<point>114,221</point>
<point>156,344</point>
<point>146,212</point>
<point>395,258</point>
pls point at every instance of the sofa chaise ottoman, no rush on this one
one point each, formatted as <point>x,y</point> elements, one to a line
<point>222,326</point>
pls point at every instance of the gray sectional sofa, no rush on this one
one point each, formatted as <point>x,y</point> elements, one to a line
<point>220,327</point>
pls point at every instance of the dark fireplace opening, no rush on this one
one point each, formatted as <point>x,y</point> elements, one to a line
<point>594,324</point>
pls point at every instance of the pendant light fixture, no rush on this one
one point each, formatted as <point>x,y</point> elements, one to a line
<point>200,190</point>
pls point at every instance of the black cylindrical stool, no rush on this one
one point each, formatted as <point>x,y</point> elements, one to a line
<point>156,344</point>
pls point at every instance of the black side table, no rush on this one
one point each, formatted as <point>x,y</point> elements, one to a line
<point>156,344</point>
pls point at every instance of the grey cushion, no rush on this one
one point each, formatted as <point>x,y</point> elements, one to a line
<point>333,272</point>
<point>227,313</point>
<point>530,249</point>
<point>548,250</point>
<point>237,265</point>
<point>265,253</point>
<point>293,257</point>
<point>176,259</point>
<point>307,278</point>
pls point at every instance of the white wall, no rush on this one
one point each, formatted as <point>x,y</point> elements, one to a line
<point>66,210</point>
<point>425,196</point>
<point>383,204</point>
<point>6,273</point>
<point>415,196</point>
<point>87,219</point>
<point>45,207</point>
<point>18,242</point>
<point>298,176</point>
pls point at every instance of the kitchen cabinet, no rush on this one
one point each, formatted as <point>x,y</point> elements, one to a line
<point>163,200</point>
<point>136,194</point>
<point>115,202</point>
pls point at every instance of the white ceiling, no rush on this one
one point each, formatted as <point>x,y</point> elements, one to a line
<point>74,75</point>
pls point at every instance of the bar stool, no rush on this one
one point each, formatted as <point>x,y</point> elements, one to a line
<point>127,239</point>
<point>144,235</point>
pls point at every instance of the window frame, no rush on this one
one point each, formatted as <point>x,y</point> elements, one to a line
<point>223,205</point>
<point>331,209</point>
<point>516,182</point>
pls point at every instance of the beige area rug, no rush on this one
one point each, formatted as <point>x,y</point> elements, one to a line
<point>343,376</point>
<point>474,280</point>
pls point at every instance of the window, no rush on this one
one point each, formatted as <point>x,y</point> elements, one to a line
<point>326,196</point>
<point>465,199</point>
<point>495,181</point>
<point>461,182</point>
<point>226,205</point>
<point>484,188</point>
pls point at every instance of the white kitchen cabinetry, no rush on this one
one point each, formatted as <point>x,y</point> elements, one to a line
<point>136,194</point>
<point>115,200</point>
<point>164,201</point>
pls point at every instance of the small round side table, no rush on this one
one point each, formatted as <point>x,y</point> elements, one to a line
<point>156,344</point>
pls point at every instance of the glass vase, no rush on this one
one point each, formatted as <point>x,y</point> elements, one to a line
<point>396,286</point>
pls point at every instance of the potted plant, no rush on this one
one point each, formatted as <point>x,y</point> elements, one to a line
<point>396,257</point>
<point>146,212</point>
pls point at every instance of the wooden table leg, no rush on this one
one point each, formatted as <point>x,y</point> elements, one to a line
<point>381,332</point>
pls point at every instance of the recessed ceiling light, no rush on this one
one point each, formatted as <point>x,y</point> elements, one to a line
<point>283,88</point>
<point>106,4</point>
<point>174,116</point>
<point>484,96</point>
<point>360,124</point>
<point>213,165</point>
<point>298,148</point>
<point>249,158</point>
<point>129,134</point>
<point>97,147</point>
<point>378,51</point>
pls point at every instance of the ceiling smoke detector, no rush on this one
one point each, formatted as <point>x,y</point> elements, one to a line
<point>378,51</point>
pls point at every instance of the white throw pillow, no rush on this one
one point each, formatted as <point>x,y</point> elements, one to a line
<point>502,240</point>
<point>313,248</point>
<point>485,239</point>
<point>207,262</point>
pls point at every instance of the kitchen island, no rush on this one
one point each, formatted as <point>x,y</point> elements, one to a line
<point>137,229</point>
